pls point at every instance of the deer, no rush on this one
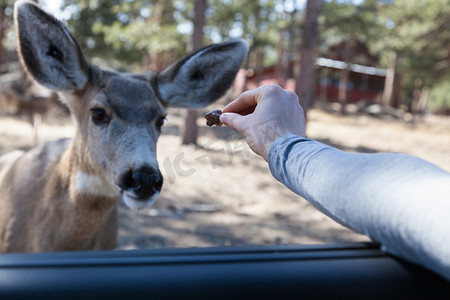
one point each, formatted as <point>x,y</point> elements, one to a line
<point>63,195</point>
<point>24,97</point>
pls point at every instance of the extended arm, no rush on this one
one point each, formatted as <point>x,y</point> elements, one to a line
<point>397,200</point>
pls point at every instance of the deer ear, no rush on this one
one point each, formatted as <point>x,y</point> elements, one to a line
<point>203,77</point>
<point>48,51</point>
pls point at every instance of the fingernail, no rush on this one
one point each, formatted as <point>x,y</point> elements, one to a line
<point>224,118</point>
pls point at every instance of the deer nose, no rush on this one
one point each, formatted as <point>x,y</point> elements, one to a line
<point>143,183</point>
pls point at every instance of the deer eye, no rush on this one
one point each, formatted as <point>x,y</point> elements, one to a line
<point>160,121</point>
<point>99,116</point>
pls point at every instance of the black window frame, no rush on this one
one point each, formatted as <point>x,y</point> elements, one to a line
<point>348,271</point>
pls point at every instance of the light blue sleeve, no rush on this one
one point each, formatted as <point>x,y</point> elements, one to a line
<point>398,200</point>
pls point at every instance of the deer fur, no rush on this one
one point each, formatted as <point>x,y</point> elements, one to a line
<point>62,195</point>
<point>24,97</point>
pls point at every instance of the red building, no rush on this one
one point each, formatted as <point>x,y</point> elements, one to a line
<point>364,82</point>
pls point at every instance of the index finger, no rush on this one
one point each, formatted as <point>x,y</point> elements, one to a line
<point>245,103</point>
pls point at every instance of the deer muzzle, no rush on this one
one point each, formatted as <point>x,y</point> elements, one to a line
<point>141,184</point>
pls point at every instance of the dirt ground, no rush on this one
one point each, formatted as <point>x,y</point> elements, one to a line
<point>221,194</point>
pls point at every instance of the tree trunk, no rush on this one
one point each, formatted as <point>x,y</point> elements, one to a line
<point>343,84</point>
<point>2,32</point>
<point>190,122</point>
<point>279,65</point>
<point>259,69</point>
<point>414,104</point>
<point>420,100</point>
<point>153,62</point>
<point>389,82</point>
<point>345,74</point>
<point>305,83</point>
<point>246,68</point>
<point>423,100</point>
<point>395,99</point>
<point>287,70</point>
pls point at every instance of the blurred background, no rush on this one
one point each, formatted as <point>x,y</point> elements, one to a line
<point>372,75</point>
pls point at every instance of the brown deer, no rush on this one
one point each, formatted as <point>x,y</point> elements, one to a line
<point>23,96</point>
<point>62,195</point>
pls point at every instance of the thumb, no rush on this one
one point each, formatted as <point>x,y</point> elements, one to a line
<point>232,120</point>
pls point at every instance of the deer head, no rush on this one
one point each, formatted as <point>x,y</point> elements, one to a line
<point>118,116</point>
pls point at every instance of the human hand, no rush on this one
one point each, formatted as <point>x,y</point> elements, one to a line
<point>263,115</point>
